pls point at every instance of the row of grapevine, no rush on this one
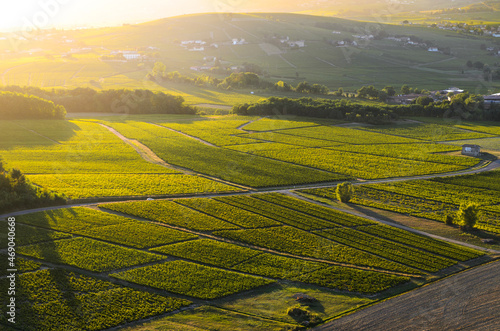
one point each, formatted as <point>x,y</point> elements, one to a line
<point>78,186</point>
<point>356,164</point>
<point>388,249</point>
<point>228,213</point>
<point>192,279</point>
<point>301,243</point>
<point>60,300</point>
<point>347,135</point>
<point>278,213</point>
<point>353,280</point>
<point>169,212</point>
<point>88,254</point>
<point>431,132</point>
<point>208,251</point>
<point>313,209</point>
<point>420,152</point>
<point>26,235</point>
<point>421,242</point>
<point>78,148</point>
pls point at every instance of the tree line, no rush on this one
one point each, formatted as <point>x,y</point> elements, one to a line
<point>22,106</point>
<point>320,108</point>
<point>17,192</point>
<point>86,100</point>
<point>464,106</point>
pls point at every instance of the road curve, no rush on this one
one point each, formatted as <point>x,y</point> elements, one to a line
<point>469,300</point>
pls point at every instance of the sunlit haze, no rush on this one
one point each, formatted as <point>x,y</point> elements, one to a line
<point>75,13</point>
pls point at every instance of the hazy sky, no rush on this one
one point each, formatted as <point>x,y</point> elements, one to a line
<point>67,13</point>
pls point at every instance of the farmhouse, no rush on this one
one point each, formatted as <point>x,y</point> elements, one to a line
<point>433,49</point>
<point>471,150</point>
<point>493,99</point>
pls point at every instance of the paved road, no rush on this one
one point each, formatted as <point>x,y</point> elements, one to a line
<point>469,300</point>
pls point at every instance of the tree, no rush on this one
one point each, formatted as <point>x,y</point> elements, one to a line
<point>424,100</point>
<point>345,191</point>
<point>469,64</point>
<point>159,70</point>
<point>389,90</point>
<point>468,215</point>
<point>405,89</point>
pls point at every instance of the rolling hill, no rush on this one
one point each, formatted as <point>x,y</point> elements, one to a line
<point>291,47</point>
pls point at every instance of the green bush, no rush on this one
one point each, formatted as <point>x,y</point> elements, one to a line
<point>344,192</point>
<point>468,215</point>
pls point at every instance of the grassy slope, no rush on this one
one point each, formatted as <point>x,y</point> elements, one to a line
<point>378,62</point>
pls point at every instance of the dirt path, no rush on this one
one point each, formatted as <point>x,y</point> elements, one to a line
<point>184,134</point>
<point>144,151</point>
<point>466,301</point>
<point>241,127</point>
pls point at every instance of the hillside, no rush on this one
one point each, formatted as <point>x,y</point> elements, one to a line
<point>290,47</point>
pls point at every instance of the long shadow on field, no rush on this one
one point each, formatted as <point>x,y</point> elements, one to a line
<point>57,282</point>
<point>36,133</point>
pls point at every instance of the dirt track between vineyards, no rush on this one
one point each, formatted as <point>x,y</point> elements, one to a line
<point>469,300</point>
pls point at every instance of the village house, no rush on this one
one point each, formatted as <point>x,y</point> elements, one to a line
<point>491,100</point>
<point>471,150</point>
<point>433,49</point>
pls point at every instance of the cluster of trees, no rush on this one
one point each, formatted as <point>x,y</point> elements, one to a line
<point>464,106</point>
<point>22,106</point>
<point>85,100</point>
<point>370,92</point>
<point>302,87</point>
<point>321,108</point>
<point>16,192</point>
<point>488,72</point>
<point>237,80</point>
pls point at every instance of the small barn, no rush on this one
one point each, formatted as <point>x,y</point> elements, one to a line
<point>471,150</point>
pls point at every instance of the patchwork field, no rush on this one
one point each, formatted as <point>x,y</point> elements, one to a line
<point>168,254</point>
<point>211,256</point>
<point>162,156</point>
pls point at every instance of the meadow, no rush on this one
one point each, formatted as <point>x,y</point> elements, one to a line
<point>377,61</point>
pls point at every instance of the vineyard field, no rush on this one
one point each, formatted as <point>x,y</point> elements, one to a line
<point>88,254</point>
<point>197,281</point>
<point>433,198</point>
<point>60,300</point>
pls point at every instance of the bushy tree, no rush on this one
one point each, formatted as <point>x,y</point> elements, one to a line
<point>17,192</point>
<point>344,192</point>
<point>468,215</point>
